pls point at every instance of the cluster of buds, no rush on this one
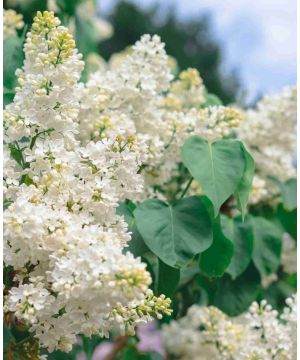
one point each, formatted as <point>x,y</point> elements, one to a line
<point>44,22</point>
<point>132,279</point>
<point>187,91</point>
<point>225,119</point>
<point>62,46</point>
<point>152,306</point>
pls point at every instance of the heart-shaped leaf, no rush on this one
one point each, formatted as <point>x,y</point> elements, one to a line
<point>218,167</point>
<point>175,233</point>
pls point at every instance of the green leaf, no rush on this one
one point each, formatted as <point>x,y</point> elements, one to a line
<point>60,355</point>
<point>168,279</point>
<point>136,245</point>
<point>13,57</point>
<point>29,8</point>
<point>277,293</point>
<point>151,261</point>
<point>175,233</point>
<point>215,260</point>
<point>218,167</point>
<point>189,272</point>
<point>244,187</point>
<point>16,154</point>
<point>235,296</point>
<point>87,347</point>
<point>86,36</point>
<point>240,233</point>
<point>7,276</point>
<point>207,287</point>
<point>155,356</point>
<point>8,97</point>
<point>129,353</point>
<point>291,280</point>
<point>6,203</point>
<point>289,194</point>
<point>25,179</point>
<point>165,278</point>
<point>211,100</point>
<point>288,220</point>
<point>7,337</point>
<point>267,245</point>
<point>68,6</point>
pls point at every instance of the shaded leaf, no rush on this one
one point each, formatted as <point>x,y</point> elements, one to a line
<point>208,286</point>
<point>244,187</point>
<point>288,220</point>
<point>277,293</point>
<point>13,57</point>
<point>267,245</point>
<point>235,296</point>
<point>289,194</point>
<point>86,36</point>
<point>7,337</point>
<point>168,279</point>
<point>68,6</point>
<point>188,272</point>
<point>240,233</point>
<point>215,260</point>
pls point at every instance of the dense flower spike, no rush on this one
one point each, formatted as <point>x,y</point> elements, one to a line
<point>269,132</point>
<point>62,234</point>
<point>259,334</point>
<point>47,97</point>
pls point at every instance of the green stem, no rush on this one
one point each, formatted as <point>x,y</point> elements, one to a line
<point>172,138</point>
<point>87,348</point>
<point>28,338</point>
<point>186,188</point>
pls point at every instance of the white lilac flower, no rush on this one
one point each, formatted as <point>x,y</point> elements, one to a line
<point>11,23</point>
<point>289,317</point>
<point>289,254</point>
<point>259,334</point>
<point>206,332</point>
<point>266,333</point>
<point>62,235</point>
<point>269,133</point>
<point>259,191</point>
